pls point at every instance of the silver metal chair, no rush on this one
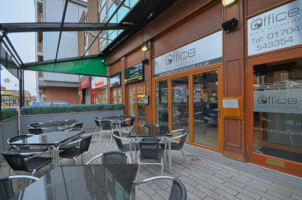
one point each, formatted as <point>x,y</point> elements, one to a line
<point>26,161</point>
<point>127,124</point>
<point>111,157</point>
<point>178,190</point>
<point>150,150</point>
<point>77,148</point>
<point>6,185</point>
<point>179,145</point>
<point>105,125</point>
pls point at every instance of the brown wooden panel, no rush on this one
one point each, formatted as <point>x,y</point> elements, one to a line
<point>193,29</point>
<point>114,68</point>
<point>257,6</point>
<point>232,133</point>
<point>134,58</point>
<point>179,10</point>
<point>233,84</point>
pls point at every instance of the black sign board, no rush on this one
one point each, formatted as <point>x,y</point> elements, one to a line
<point>115,80</point>
<point>134,73</point>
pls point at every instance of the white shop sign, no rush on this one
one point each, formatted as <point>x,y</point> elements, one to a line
<point>202,52</point>
<point>275,29</point>
<point>278,101</point>
<point>97,82</point>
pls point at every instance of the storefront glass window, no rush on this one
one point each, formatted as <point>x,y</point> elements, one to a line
<point>114,96</point>
<point>120,96</point>
<point>205,102</point>
<point>161,104</point>
<point>277,97</point>
<point>180,103</point>
<point>102,97</point>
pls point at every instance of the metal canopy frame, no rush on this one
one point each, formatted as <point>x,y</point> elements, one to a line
<point>140,15</point>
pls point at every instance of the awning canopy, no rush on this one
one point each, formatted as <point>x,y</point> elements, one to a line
<point>87,66</point>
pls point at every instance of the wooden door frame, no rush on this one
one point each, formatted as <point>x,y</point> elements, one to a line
<point>291,167</point>
<point>136,85</point>
<point>209,68</point>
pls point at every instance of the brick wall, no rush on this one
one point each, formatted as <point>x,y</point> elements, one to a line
<point>61,94</point>
<point>81,37</point>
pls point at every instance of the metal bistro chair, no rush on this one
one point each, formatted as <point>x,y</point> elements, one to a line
<point>178,190</point>
<point>127,124</point>
<point>6,185</point>
<point>112,157</point>
<point>178,145</point>
<point>25,161</point>
<point>123,147</point>
<point>82,145</point>
<point>150,150</point>
<point>105,125</point>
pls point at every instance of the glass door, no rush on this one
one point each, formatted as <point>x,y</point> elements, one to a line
<point>205,109</point>
<point>161,104</point>
<point>180,103</point>
<point>136,103</point>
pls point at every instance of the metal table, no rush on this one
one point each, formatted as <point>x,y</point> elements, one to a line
<point>83,182</point>
<point>51,139</point>
<point>54,124</point>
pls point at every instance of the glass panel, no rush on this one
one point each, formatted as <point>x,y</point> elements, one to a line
<point>161,104</point>
<point>132,101</point>
<point>180,104</point>
<point>205,109</point>
<point>278,110</point>
<point>140,104</point>
<point>120,96</point>
<point>114,96</point>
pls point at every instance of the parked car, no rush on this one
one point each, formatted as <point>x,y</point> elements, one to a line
<point>50,103</point>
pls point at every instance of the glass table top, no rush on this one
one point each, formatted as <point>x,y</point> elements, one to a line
<point>83,182</point>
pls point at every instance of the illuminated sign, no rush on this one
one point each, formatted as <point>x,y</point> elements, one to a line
<point>134,73</point>
<point>97,82</point>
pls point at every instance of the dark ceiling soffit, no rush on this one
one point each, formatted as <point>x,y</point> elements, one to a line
<point>60,60</point>
<point>51,27</point>
<point>141,14</point>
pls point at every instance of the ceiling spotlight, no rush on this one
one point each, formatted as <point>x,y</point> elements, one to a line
<point>145,47</point>
<point>228,2</point>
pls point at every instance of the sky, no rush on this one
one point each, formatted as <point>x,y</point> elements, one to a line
<point>20,11</point>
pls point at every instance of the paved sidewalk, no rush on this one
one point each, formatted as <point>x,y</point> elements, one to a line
<point>209,175</point>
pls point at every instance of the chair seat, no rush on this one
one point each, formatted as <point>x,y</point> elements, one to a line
<point>70,153</point>
<point>126,147</point>
<point>174,146</point>
<point>37,163</point>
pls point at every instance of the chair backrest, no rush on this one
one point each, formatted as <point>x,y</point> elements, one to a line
<point>182,138</point>
<point>6,185</point>
<point>85,143</point>
<point>150,150</point>
<point>178,190</point>
<point>114,157</point>
<point>19,137</point>
<point>117,139</point>
<point>105,124</point>
<point>132,120</point>
<point>35,131</point>
<point>15,160</point>
<point>97,122</point>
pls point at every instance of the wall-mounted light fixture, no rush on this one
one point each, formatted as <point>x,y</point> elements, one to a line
<point>228,2</point>
<point>145,47</point>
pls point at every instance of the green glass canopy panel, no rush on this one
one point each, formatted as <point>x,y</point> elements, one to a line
<point>89,66</point>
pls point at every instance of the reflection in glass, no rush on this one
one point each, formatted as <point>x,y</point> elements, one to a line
<point>205,102</point>
<point>140,104</point>
<point>277,93</point>
<point>180,103</point>
<point>161,105</point>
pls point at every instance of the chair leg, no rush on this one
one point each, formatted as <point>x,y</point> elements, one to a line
<point>111,134</point>
<point>183,155</point>
<point>75,160</point>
